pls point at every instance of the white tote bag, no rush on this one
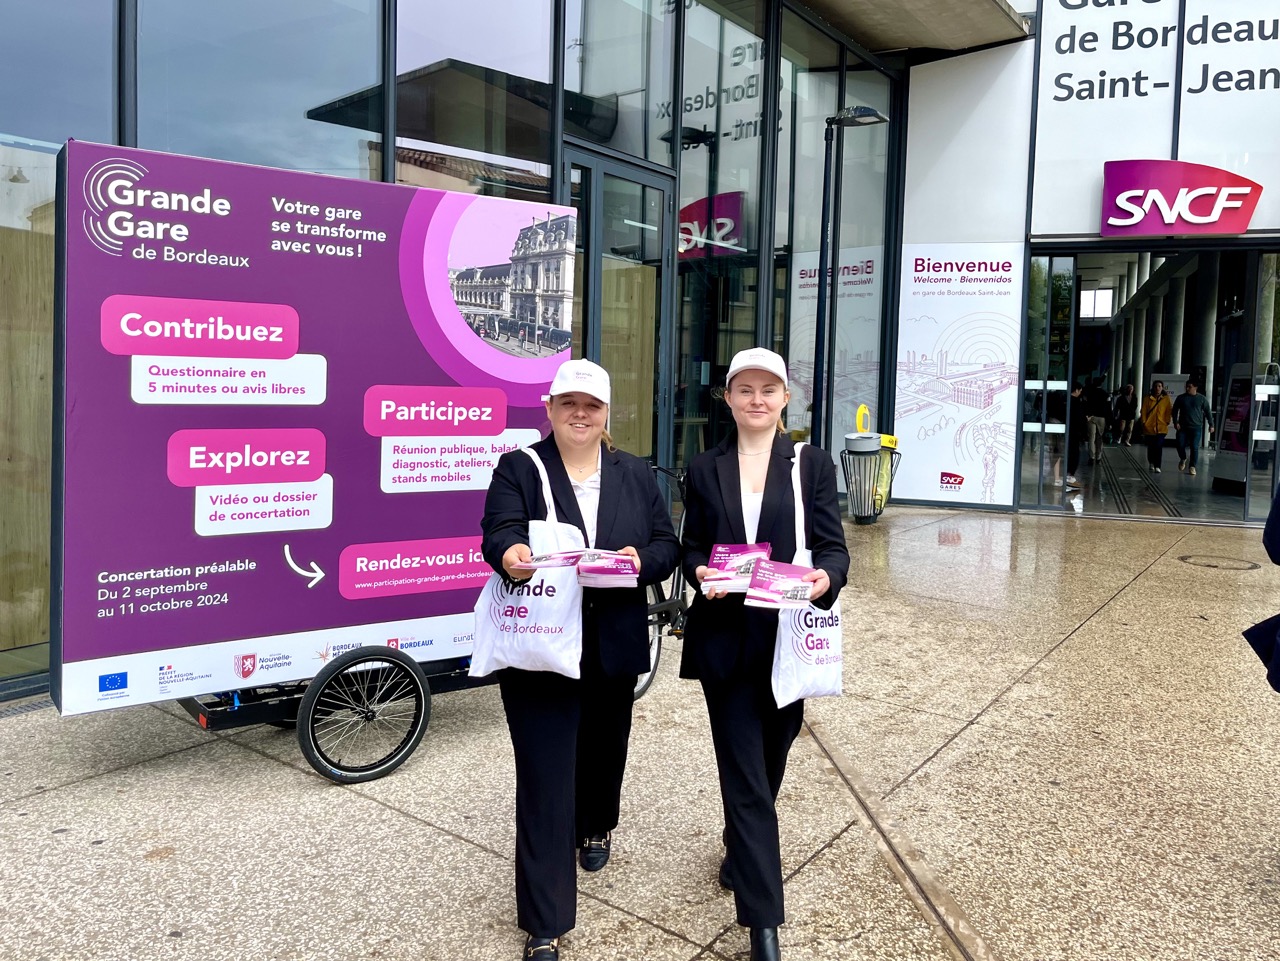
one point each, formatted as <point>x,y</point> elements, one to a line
<point>808,656</point>
<point>533,625</point>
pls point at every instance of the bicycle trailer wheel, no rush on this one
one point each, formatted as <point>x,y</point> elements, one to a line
<point>363,714</point>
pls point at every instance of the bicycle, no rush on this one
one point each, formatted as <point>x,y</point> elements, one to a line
<point>666,610</point>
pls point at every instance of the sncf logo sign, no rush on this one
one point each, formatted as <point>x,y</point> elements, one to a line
<point>1159,198</point>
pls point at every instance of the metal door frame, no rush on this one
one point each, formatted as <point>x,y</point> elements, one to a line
<point>590,237</point>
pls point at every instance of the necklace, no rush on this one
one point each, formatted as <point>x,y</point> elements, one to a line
<point>581,470</point>
<point>755,453</point>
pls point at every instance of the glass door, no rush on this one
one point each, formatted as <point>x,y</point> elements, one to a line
<point>1266,390</point>
<point>623,288</point>
<point>1046,386</point>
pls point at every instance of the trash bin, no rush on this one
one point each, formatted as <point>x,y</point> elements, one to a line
<point>869,461</point>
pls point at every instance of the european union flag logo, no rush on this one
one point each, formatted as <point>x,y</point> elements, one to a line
<point>113,682</point>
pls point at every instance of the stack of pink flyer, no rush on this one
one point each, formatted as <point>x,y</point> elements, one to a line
<point>607,569</point>
<point>730,565</point>
<point>555,559</point>
<point>775,586</point>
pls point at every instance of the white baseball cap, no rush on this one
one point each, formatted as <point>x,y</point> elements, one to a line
<point>758,358</point>
<point>580,375</point>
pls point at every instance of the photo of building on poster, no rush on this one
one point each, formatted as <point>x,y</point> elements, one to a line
<point>513,280</point>
<point>957,399</point>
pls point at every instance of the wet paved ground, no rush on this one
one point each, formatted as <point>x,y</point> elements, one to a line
<point>1054,745</point>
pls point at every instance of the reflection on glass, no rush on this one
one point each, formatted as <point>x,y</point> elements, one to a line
<point>720,140</point>
<point>618,75</point>
<point>858,265</point>
<point>1034,439</point>
<point>57,74</point>
<point>473,97</point>
<point>27,176</point>
<point>292,83</point>
<point>1262,467</point>
<point>631,285</point>
<point>810,85</point>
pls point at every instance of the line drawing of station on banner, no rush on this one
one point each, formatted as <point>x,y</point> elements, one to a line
<point>956,401</point>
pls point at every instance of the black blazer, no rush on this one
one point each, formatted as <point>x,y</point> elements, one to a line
<point>724,637</point>
<point>632,513</point>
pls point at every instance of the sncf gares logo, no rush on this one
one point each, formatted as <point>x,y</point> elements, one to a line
<point>1159,198</point>
<point>950,482</point>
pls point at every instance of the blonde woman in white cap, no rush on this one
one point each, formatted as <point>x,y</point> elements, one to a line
<point>740,492</point>
<point>570,735</point>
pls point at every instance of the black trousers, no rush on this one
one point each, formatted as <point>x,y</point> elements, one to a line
<point>1155,449</point>
<point>570,742</point>
<point>752,737</point>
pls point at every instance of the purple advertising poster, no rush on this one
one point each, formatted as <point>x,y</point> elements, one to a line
<point>282,396</point>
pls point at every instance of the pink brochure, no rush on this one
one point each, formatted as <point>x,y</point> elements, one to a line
<point>775,585</point>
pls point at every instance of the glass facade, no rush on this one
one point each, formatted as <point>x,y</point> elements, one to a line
<point>719,208</point>
<point>474,97</point>
<point>810,94</point>
<point>57,78</point>
<point>619,66</point>
<point>707,216</point>
<point>256,83</point>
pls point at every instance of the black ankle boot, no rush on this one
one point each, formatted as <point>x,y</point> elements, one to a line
<point>764,944</point>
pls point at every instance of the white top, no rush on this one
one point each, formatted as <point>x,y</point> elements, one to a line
<point>751,513</point>
<point>587,494</point>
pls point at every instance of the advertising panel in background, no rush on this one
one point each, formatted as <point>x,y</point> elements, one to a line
<point>281,400</point>
<point>956,408</point>
<point>1113,77</point>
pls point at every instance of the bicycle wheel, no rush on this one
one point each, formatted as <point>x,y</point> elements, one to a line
<point>657,625</point>
<point>363,714</point>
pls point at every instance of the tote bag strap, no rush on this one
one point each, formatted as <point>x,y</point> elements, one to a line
<point>799,499</point>
<point>546,483</point>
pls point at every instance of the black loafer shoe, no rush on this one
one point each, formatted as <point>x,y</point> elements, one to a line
<point>764,944</point>
<point>726,879</point>
<point>541,949</point>
<point>595,852</point>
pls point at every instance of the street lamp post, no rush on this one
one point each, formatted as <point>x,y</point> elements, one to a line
<point>858,116</point>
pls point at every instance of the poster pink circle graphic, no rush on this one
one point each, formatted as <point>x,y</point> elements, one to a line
<point>475,228</point>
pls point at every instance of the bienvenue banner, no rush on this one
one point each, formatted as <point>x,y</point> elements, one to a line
<point>956,407</point>
<point>283,396</point>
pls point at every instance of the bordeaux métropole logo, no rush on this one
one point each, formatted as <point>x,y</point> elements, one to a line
<point>117,210</point>
<point>1162,198</point>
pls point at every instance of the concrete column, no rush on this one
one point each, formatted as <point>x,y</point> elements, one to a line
<point>1122,295</point>
<point>1156,263</point>
<point>1117,356</point>
<point>1155,334</point>
<point>1140,367</point>
<point>1266,316</point>
<point>1126,365</point>
<point>1174,324</point>
<point>1144,268</point>
<point>1203,339</point>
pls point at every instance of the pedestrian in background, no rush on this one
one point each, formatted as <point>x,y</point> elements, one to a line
<point>1126,412</point>
<point>570,734</point>
<point>1098,410</point>
<point>1157,413</point>
<point>740,492</point>
<point>1190,416</point>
